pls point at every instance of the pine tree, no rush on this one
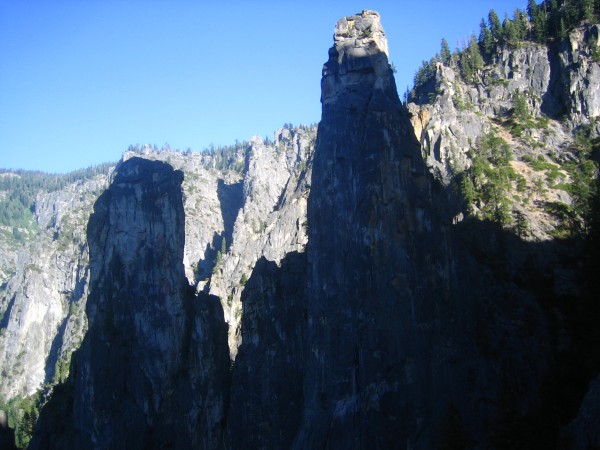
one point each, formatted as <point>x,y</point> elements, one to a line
<point>486,41</point>
<point>520,108</point>
<point>532,10</point>
<point>445,53</point>
<point>554,19</point>
<point>495,26</point>
<point>571,12</point>
<point>539,22</point>
<point>509,33</point>
<point>471,61</point>
<point>521,224</point>
<point>520,23</point>
<point>562,29</point>
<point>587,10</point>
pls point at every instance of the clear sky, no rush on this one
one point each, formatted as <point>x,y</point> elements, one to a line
<point>80,81</point>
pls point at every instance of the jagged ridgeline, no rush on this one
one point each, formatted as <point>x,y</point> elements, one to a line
<point>408,275</point>
<point>45,252</point>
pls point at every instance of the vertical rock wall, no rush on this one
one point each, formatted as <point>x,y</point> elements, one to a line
<point>153,368</point>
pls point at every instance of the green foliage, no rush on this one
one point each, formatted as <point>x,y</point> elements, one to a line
<point>22,415</point>
<point>582,171</point>
<point>459,103</point>
<point>553,172</point>
<point>520,118</point>
<point>595,49</point>
<point>552,19</point>
<point>445,53</point>
<point>515,30</point>
<point>538,20</point>
<point>486,40</point>
<point>521,224</point>
<point>471,61</point>
<point>423,90</point>
<point>521,183</point>
<point>303,165</point>
<point>230,157</point>
<point>486,185</point>
<point>20,188</point>
<point>243,280</point>
<point>587,10</point>
<point>495,26</point>
<point>520,109</point>
<point>424,76</point>
<point>520,24</point>
<point>219,257</point>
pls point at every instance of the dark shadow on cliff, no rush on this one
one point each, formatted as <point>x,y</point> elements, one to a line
<point>556,275</point>
<point>231,198</point>
<point>267,381</point>
<point>207,264</point>
<point>553,99</point>
<point>153,348</point>
<point>6,317</point>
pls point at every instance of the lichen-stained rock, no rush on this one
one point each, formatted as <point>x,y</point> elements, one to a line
<point>152,371</point>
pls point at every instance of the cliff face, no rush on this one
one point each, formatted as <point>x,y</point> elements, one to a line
<point>356,308</point>
<point>46,282</point>
<point>367,279</point>
<point>557,85</point>
<point>43,301</point>
<point>393,303</point>
<point>152,345</point>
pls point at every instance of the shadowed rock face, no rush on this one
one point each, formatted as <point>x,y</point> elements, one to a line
<point>152,371</point>
<point>391,301</point>
<point>369,216</point>
<point>392,330</point>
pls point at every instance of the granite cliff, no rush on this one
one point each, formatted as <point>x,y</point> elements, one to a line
<point>343,292</point>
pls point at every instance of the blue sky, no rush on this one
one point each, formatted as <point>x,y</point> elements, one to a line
<point>80,81</point>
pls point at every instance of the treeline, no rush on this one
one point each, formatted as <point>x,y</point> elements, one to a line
<point>18,189</point>
<point>227,157</point>
<point>545,22</point>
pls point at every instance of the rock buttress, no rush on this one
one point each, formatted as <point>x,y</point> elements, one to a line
<point>152,371</point>
<point>369,252</point>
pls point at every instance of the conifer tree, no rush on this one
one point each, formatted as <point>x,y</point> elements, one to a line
<point>571,12</point>
<point>562,29</point>
<point>486,41</point>
<point>532,10</point>
<point>520,23</point>
<point>509,32</point>
<point>587,10</point>
<point>538,20</point>
<point>471,61</point>
<point>445,53</point>
<point>495,26</point>
<point>554,19</point>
